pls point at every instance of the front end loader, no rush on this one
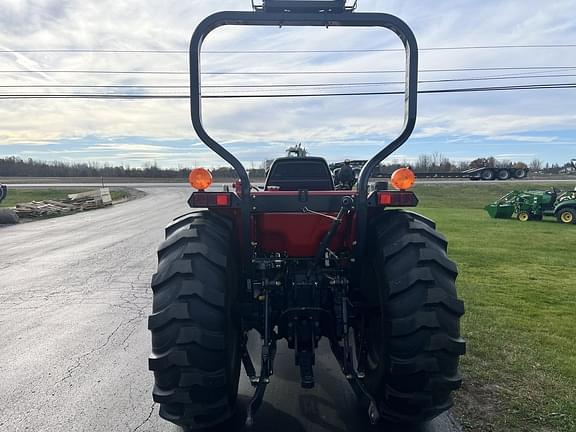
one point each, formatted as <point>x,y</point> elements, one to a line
<point>534,205</point>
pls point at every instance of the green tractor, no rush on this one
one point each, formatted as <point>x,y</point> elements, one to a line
<point>535,204</point>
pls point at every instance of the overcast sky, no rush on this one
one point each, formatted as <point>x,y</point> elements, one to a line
<point>511,125</point>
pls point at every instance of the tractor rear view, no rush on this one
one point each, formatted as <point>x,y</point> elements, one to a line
<point>301,261</point>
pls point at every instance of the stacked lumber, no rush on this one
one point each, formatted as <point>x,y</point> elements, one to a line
<point>74,203</point>
<point>92,199</point>
<point>36,209</point>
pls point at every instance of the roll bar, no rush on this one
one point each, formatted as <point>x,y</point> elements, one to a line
<point>342,19</point>
<point>305,19</point>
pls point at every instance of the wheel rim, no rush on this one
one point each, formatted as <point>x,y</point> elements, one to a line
<point>567,217</point>
<point>523,217</point>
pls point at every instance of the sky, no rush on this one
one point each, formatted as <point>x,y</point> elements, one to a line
<point>519,125</point>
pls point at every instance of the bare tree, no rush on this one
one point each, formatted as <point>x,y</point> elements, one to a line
<point>536,165</point>
<point>423,163</point>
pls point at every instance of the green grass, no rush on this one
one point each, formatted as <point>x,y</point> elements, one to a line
<point>517,281</point>
<point>17,196</point>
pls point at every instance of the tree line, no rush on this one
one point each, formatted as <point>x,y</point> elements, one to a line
<point>436,162</point>
<point>17,167</point>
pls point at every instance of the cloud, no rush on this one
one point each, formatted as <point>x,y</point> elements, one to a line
<point>131,147</point>
<point>457,125</point>
<point>514,155</point>
<point>524,138</point>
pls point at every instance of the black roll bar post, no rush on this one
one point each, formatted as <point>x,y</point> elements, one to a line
<point>345,19</point>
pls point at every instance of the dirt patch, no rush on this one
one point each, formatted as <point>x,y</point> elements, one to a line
<point>477,407</point>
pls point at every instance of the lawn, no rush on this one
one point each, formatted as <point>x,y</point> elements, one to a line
<point>517,281</point>
<point>16,196</point>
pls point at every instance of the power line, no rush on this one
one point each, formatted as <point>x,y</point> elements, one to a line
<point>437,91</point>
<point>159,51</point>
<point>455,48</point>
<point>273,86</point>
<point>260,96</point>
<point>487,69</point>
<point>394,71</point>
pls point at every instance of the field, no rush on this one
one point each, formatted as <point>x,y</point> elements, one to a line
<point>517,280</point>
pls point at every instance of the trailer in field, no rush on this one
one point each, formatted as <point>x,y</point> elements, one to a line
<point>484,173</point>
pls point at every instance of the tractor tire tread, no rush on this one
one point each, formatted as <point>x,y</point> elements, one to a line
<point>188,322</point>
<point>421,317</point>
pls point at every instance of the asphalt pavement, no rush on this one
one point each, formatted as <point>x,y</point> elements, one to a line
<point>74,297</point>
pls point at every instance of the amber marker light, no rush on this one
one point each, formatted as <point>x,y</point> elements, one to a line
<point>200,178</point>
<point>403,179</point>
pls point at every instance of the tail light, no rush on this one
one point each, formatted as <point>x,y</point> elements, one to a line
<point>211,199</point>
<point>396,199</point>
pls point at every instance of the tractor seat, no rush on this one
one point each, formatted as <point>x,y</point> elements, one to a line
<point>293,174</point>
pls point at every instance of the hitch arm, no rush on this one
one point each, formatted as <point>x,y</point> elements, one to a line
<point>347,203</point>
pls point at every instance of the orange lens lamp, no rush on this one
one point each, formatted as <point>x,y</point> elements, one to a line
<point>403,179</point>
<point>200,178</point>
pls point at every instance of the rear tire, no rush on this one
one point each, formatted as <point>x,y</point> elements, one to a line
<point>520,173</point>
<point>487,175</point>
<point>413,336</point>
<point>567,216</point>
<point>195,327</point>
<point>503,174</point>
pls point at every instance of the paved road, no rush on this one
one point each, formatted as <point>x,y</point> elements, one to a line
<point>74,296</point>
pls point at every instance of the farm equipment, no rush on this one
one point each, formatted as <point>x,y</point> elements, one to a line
<point>3,192</point>
<point>302,262</point>
<point>534,205</point>
<point>293,151</point>
<point>483,173</point>
<point>296,151</point>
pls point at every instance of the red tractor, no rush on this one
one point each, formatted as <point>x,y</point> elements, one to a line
<point>301,261</point>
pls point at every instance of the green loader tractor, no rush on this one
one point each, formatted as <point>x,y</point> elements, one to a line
<point>535,204</point>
